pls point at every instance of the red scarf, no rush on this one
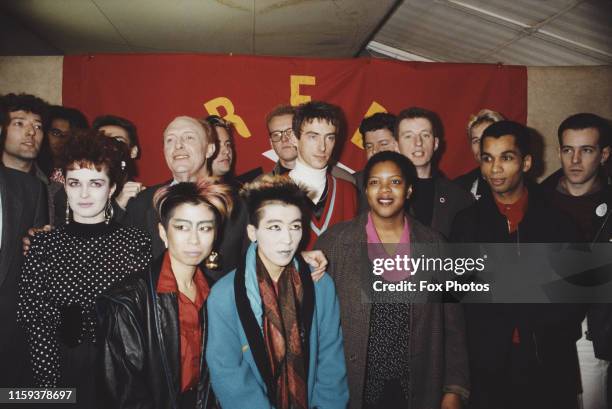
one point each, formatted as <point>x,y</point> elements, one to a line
<point>281,332</point>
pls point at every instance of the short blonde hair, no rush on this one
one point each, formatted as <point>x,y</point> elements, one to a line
<point>484,115</point>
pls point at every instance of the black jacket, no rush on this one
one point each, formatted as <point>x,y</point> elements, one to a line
<point>473,183</point>
<point>24,205</point>
<point>140,346</point>
<point>548,332</point>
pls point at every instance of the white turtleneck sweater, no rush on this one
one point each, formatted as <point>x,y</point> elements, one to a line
<point>313,179</point>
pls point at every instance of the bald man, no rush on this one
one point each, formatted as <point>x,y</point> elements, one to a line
<point>188,144</point>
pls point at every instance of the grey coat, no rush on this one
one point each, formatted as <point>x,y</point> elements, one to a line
<point>437,331</point>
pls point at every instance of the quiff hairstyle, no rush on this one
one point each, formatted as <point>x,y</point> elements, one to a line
<point>271,189</point>
<point>316,110</point>
<point>216,196</point>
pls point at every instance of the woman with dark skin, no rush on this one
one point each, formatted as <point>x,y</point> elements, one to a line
<point>400,354</point>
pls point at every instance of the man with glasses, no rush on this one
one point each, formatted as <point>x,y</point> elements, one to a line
<point>279,122</point>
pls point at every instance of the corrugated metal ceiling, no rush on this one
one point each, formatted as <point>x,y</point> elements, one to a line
<point>524,32</point>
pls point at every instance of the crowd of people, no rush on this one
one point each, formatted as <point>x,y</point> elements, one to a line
<point>217,290</point>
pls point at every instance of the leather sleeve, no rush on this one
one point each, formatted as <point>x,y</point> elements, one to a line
<point>122,359</point>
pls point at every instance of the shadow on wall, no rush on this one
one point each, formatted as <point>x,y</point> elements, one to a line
<point>537,153</point>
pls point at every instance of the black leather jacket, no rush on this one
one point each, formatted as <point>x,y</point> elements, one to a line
<point>140,346</point>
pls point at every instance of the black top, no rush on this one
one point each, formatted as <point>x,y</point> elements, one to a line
<point>423,199</point>
<point>474,183</point>
<point>64,271</point>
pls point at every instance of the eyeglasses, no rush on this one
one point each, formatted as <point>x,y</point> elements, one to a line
<point>276,136</point>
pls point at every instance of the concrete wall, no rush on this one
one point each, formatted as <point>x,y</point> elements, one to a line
<point>41,76</point>
<point>554,93</point>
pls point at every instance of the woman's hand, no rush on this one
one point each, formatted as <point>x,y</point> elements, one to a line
<point>317,260</point>
<point>451,401</point>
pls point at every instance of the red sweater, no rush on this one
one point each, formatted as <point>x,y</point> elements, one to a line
<point>340,205</point>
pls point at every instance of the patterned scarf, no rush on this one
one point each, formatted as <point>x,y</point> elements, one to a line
<point>281,332</point>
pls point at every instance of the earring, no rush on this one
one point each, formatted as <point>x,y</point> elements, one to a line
<point>67,212</point>
<point>109,212</point>
<point>212,261</point>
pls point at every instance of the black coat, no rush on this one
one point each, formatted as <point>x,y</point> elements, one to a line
<point>140,346</point>
<point>24,205</point>
<point>548,332</point>
<point>473,183</point>
<point>141,213</point>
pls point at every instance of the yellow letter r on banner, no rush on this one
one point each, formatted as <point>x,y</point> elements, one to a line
<point>213,106</point>
<point>296,81</point>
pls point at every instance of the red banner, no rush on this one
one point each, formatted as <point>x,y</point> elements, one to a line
<point>151,90</point>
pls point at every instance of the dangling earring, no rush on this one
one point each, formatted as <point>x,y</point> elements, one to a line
<point>67,212</point>
<point>109,212</point>
<point>212,261</point>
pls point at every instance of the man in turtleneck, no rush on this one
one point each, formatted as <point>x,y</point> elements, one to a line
<point>279,122</point>
<point>436,200</point>
<point>315,130</point>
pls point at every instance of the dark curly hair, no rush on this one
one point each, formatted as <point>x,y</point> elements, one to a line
<point>21,102</point>
<point>87,148</point>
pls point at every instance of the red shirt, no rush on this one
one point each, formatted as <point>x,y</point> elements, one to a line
<point>189,321</point>
<point>514,212</point>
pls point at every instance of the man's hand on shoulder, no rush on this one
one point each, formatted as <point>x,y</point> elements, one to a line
<point>26,242</point>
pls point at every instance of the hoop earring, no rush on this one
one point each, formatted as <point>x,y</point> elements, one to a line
<point>212,261</point>
<point>67,212</point>
<point>109,212</point>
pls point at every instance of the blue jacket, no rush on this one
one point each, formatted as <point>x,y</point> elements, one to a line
<point>235,351</point>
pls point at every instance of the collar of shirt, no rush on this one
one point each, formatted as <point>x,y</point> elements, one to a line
<point>514,212</point>
<point>167,283</point>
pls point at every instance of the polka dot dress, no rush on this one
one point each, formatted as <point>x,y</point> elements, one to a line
<point>69,267</point>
